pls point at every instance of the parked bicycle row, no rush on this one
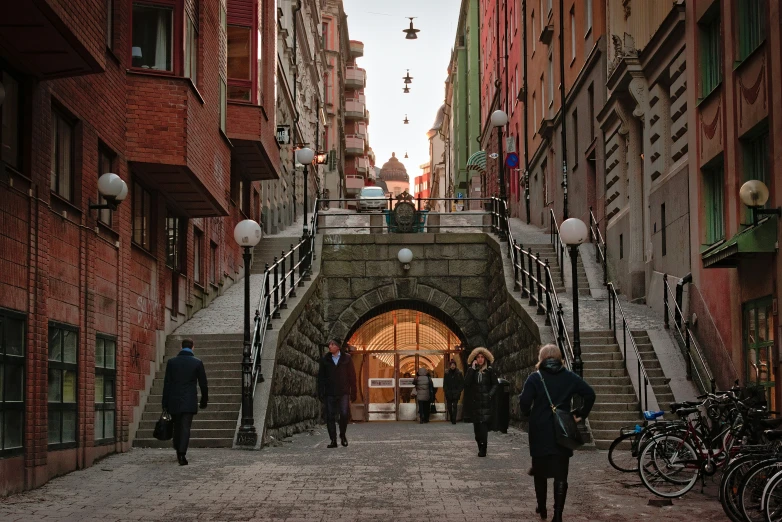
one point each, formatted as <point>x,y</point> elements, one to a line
<point>730,432</point>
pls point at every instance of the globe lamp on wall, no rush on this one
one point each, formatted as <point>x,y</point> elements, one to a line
<point>405,256</point>
<point>754,193</point>
<point>113,190</point>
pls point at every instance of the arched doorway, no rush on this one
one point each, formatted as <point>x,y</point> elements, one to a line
<point>388,348</point>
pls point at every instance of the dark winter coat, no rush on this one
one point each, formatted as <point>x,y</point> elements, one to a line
<point>453,384</point>
<point>179,387</point>
<point>424,388</point>
<point>336,380</point>
<point>482,387</point>
<point>562,386</point>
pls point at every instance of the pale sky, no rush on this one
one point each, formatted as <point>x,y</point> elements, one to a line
<point>387,56</point>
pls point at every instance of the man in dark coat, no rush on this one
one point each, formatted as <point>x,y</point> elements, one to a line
<point>336,388</point>
<point>453,384</point>
<point>180,397</point>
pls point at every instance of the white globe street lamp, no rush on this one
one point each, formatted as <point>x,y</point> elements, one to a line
<point>305,157</point>
<point>405,256</point>
<point>247,233</point>
<point>573,232</point>
<point>113,189</point>
<point>754,193</point>
<point>499,119</point>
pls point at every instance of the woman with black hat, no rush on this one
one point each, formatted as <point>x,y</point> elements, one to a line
<point>551,385</point>
<point>480,384</point>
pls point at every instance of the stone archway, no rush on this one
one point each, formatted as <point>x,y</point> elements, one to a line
<point>408,291</point>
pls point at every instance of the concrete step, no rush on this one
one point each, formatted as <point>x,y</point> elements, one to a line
<point>203,415</point>
<point>613,389</point>
<point>601,356</point>
<point>199,424</point>
<point>215,379</point>
<point>155,407</point>
<point>215,390</point>
<point>613,406</point>
<point>197,433</point>
<point>213,397</point>
<point>598,347</point>
<point>596,373</point>
<point>195,442</point>
<point>613,416</point>
<point>605,364</point>
<point>209,359</point>
<point>608,434</point>
<point>594,333</point>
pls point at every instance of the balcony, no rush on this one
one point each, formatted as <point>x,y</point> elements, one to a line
<point>353,184</point>
<point>355,78</point>
<point>362,165</point>
<point>356,49</point>
<point>51,40</point>
<point>254,144</point>
<point>354,146</point>
<point>355,110</point>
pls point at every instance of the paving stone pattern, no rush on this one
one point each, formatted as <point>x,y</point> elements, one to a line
<point>390,471</point>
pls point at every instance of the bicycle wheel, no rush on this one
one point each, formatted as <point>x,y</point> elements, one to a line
<point>772,498</point>
<point>623,453</point>
<point>731,483</point>
<point>751,492</point>
<point>668,466</point>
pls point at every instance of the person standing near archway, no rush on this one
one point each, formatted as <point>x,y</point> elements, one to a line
<point>481,383</point>
<point>453,384</point>
<point>336,388</point>
<point>423,394</point>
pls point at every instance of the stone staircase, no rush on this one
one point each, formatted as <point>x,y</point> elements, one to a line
<point>215,426</point>
<point>662,390</point>
<point>268,249</point>
<point>547,253</point>
<point>616,404</point>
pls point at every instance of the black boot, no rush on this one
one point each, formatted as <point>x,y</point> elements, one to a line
<point>560,493</point>
<point>344,439</point>
<point>482,449</point>
<point>181,459</point>
<point>333,444</point>
<point>541,491</point>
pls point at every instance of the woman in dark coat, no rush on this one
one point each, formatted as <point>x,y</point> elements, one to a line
<point>549,459</point>
<point>480,385</point>
<point>423,388</point>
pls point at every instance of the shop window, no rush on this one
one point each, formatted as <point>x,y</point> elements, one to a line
<point>752,25</point>
<point>12,362</point>
<point>10,122</point>
<point>153,35</point>
<point>105,165</point>
<point>142,217</point>
<point>714,192</point>
<point>62,166</point>
<point>105,388</point>
<point>63,367</point>
<point>759,346</point>
<point>710,52</point>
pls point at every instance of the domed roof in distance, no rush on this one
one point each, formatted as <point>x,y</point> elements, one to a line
<point>394,170</point>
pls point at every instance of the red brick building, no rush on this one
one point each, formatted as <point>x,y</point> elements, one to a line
<point>172,96</point>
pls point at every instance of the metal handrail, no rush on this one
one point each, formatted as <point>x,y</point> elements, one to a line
<point>601,251</point>
<point>689,341</point>
<point>556,242</point>
<point>274,295</point>
<point>533,277</point>
<point>613,302</point>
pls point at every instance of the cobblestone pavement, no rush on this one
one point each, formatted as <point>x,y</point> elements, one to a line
<point>390,471</point>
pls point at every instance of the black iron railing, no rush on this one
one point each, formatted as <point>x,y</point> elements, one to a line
<point>601,252</point>
<point>697,368</point>
<point>280,280</point>
<point>532,276</point>
<point>614,312</point>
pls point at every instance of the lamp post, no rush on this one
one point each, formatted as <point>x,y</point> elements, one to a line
<point>754,194</point>
<point>574,232</point>
<point>247,234</point>
<point>305,157</point>
<point>499,119</point>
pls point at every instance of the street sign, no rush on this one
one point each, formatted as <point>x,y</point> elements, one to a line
<point>459,195</point>
<point>283,134</point>
<point>512,160</point>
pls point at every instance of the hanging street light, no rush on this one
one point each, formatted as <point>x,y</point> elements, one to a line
<point>406,89</point>
<point>247,234</point>
<point>406,121</point>
<point>410,32</point>
<point>406,156</point>
<point>407,78</point>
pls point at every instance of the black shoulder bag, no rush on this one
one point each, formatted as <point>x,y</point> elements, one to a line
<point>565,426</point>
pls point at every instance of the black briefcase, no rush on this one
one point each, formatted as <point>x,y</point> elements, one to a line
<point>164,428</point>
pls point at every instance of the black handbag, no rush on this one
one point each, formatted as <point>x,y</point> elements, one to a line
<point>565,426</point>
<point>432,407</point>
<point>164,428</point>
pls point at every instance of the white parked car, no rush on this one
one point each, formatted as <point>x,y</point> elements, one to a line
<point>371,198</point>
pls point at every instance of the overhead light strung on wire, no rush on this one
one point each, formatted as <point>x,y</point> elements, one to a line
<point>410,32</point>
<point>406,89</point>
<point>407,78</point>
<point>406,121</point>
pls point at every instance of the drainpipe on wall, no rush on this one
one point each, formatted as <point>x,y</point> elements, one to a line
<point>526,133</point>
<point>563,109</point>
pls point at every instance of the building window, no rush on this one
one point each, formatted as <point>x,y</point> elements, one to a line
<point>142,217</point>
<point>324,29</point>
<point>214,268</point>
<point>105,165</point>
<point>714,192</point>
<point>575,137</point>
<point>621,246</point>
<point>542,97</point>
<point>549,6</point>
<point>12,343</point>
<point>10,122</point>
<point>110,24</point>
<point>198,245</point>
<point>534,34</point>
<point>62,156</point>
<point>223,104</point>
<point>191,50</point>
<point>710,52</point>
<point>662,229</point>
<point>591,102</point>
<point>239,63</point>
<point>756,162</point>
<point>534,115</point>
<point>174,242</point>
<point>573,33</point>
<point>153,35</point>
<point>105,387</point>
<point>588,16</point>
<point>752,25</point>
<point>550,79</point>
<point>63,348</point>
